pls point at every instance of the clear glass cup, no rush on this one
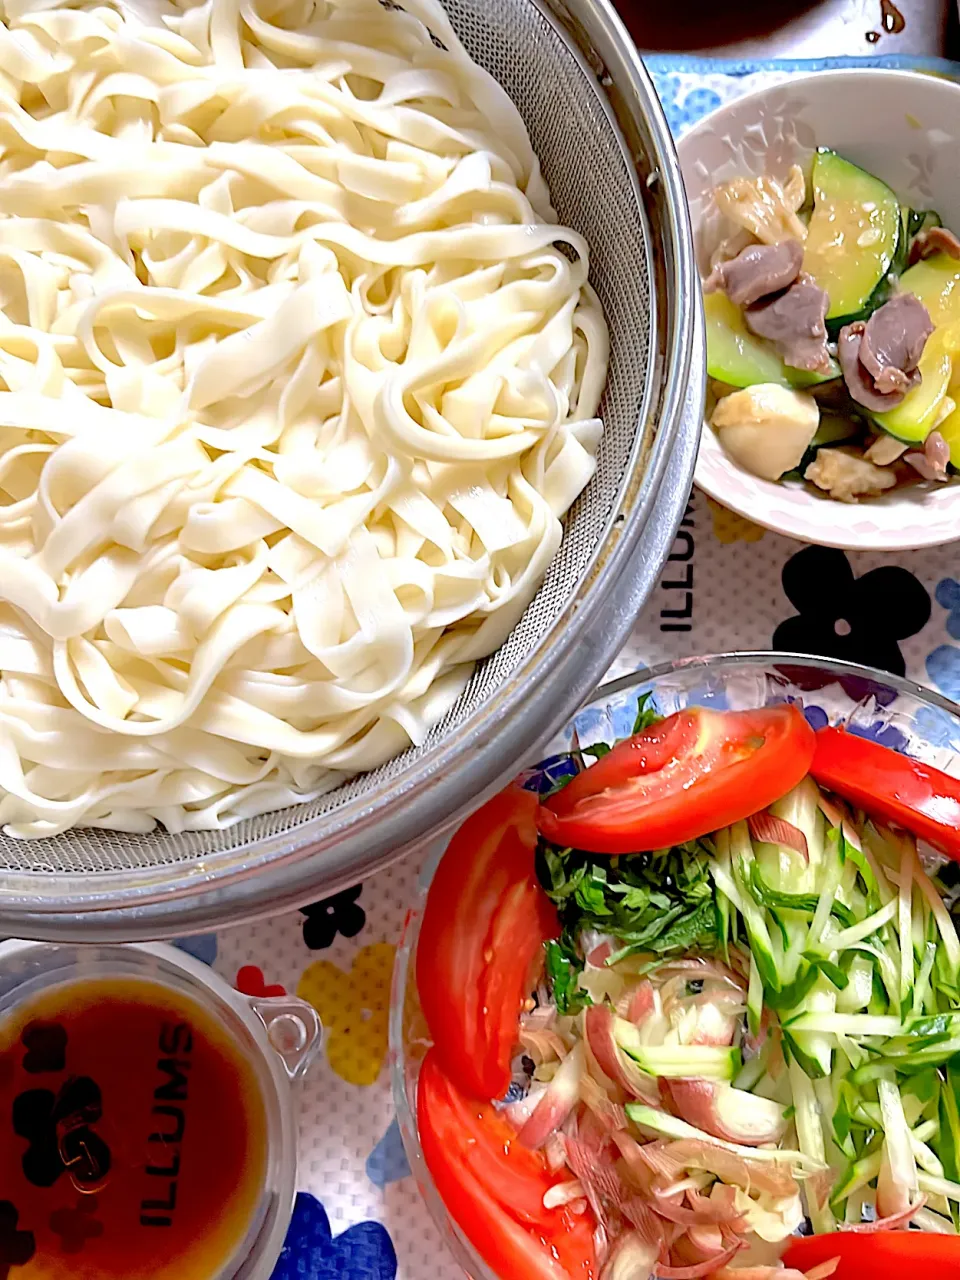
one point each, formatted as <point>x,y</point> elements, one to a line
<point>277,1036</point>
<point>899,713</point>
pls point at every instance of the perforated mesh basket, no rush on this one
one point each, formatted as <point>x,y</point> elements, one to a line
<point>608,160</point>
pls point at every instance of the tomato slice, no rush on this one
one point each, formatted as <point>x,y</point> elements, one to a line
<point>885,783</point>
<point>481,942</point>
<point>493,1186</point>
<point>884,1255</point>
<point>692,773</point>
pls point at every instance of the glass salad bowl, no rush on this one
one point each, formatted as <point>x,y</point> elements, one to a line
<point>894,712</point>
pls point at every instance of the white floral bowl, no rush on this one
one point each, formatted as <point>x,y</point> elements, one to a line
<point>904,126</point>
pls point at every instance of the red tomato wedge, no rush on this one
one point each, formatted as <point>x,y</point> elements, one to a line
<point>885,1255</point>
<point>692,773</point>
<point>481,942</point>
<point>886,784</point>
<point>493,1187</point>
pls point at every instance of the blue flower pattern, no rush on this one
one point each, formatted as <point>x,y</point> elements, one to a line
<point>947,596</point>
<point>544,776</point>
<point>887,735</point>
<point>591,725</point>
<point>815,716</point>
<point>388,1162</point>
<point>682,105</point>
<point>202,946</point>
<point>937,727</point>
<point>943,670</point>
<point>943,664</point>
<point>311,1252</point>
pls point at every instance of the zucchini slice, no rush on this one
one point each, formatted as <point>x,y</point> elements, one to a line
<point>922,220</point>
<point>902,255</point>
<point>936,282</point>
<point>741,359</point>
<point>853,238</point>
<point>913,419</point>
<point>950,430</point>
<point>834,429</point>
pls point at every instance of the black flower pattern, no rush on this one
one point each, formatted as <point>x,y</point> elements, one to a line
<point>77,1225</point>
<point>16,1247</point>
<point>853,619</point>
<point>58,1128</point>
<point>338,914</point>
<point>46,1047</point>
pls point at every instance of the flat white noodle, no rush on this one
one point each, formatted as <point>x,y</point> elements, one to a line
<point>297,378</point>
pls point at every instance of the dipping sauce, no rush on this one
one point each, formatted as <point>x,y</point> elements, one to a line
<point>133,1136</point>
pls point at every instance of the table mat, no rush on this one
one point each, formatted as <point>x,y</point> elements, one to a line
<point>727,585</point>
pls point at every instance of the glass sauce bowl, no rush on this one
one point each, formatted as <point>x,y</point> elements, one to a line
<point>277,1037</point>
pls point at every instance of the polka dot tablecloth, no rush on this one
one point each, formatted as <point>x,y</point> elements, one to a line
<point>727,585</point>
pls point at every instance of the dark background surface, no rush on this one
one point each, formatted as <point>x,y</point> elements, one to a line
<point>793,28</point>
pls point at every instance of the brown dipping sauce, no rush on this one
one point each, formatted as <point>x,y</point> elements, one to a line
<point>132,1136</point>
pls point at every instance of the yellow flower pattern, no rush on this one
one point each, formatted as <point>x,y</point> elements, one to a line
<point>354,1008</point>
<point>729,527</point>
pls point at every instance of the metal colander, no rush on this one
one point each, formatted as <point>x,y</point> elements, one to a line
<point>608,159</point>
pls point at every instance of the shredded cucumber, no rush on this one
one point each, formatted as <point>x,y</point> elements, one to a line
<point>754,997</point>
<point>851,1024</point>
<point>924,1157</point>
<point>905,920</point>
<point>857,956</point>
<point>851,962</point>
<point>701,1061</point>
<point>923,979</point>
<point>938,1186</point>
<point>811,1141</point>
<point>897,1179</point>
<point>949,1130</point>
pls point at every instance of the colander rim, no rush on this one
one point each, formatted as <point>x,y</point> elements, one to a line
<point>336,847</point>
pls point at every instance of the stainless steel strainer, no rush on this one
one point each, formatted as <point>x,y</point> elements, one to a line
<point>608,158</point>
